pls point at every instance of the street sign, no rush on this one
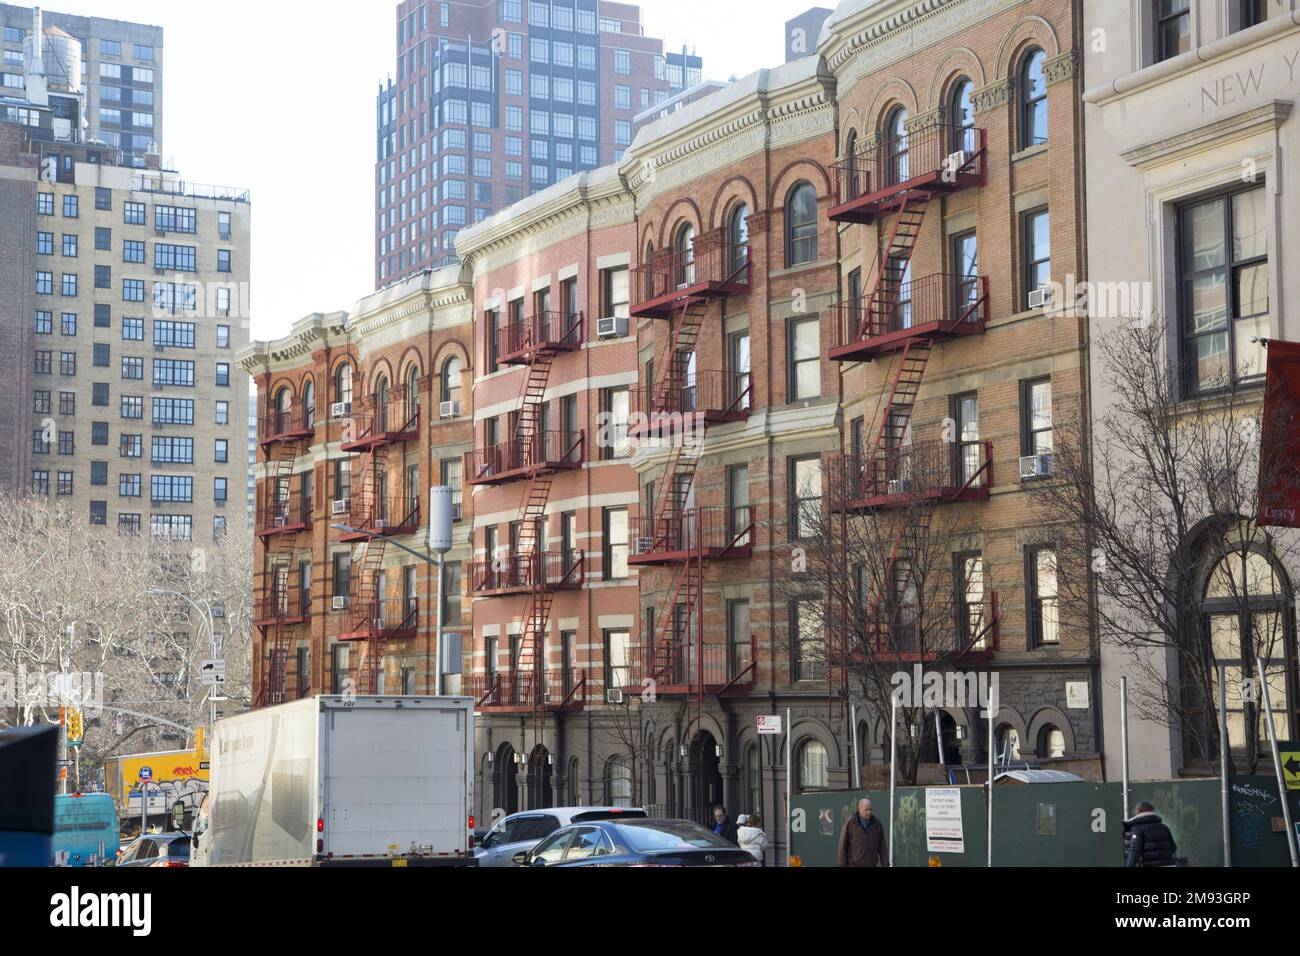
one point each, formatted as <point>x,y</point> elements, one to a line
<point>213,667</point>
<point>943,829</point>
<point>146,774</point>
<point>211,679</point>
<point>769,725</point>
<point>1288,753</point>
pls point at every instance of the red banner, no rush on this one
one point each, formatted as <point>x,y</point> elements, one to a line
<point>1279,446</point>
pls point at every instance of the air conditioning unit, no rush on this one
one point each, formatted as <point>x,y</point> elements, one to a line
<point>643,546</point>
<point>614,695</point>
<point>340,602</point>
<point>449,410</point>
<point>1036,466</point>
<point>1040,298</point>
<point>455,512</point>
<point>340,410</point>
<point>340,507</point>
<point>900,486</point>
<point>280,521</point>
<point>381,524</point>
<point>611,328</point>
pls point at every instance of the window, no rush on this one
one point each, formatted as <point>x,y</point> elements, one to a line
<point>971,624</point>
<point>738,237</point>
<point>173,372</point>
<point>42,401</point>
<point>175,219</point>
<point>1033,99</point>
<point>219,490</point>
<point>132,290</point>
<point>1044,611</point>
<point>616,544</point>
<point>961,117</point>
<point>813,766</point>
<point>807,641</point>
<point>69,246</point>
<point>67,363</point>
<point>40,444</point>
<point>43,323</point>
<point>739,516</point>
<point>1173,25</point>
<point>133,213</point>
<point>1223,272</point>
<point>622,62</point>
<point>70,207</point>
<point>615,293</point>
<point>451,589</point>
<point>131,446</point>
<point>67,403</point>
<point>804,350</point>
<point>896,145</point>
<point>343,385</point>
<point>1036,248</point>
<point>133,251</point>
<point>221,451</point>
<point>41,482</point>
<point>132,330</point>
<point>968,449</point>
<point>805,497</point>
<point>67,443</point>
<point>45,243</point>
<point>44,362</point>
<point>223,374</point>
<point>99,394</point>
<point>739,640</point>
<point>801,225</point>
<point>177,488</point>
<point>69,286</point>
<point>617,407</point>
<point>44,283</point>
<point>223,260</point>
<point>128,486</point>
<point>173,411</point>
<point>1036,417</point>
<point>223,338</point>
<point>618,662</point>
<point>132,407</point>
<point>103,198</point>
<point>223,225</point>
<point>174,258</point>
<point>222,416</point>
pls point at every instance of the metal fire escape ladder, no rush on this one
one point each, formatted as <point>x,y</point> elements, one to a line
<point>893,257</point>
<point>367,605</point>
<point>277,557</point>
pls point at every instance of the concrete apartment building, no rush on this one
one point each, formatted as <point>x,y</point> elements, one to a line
<point>494,100</point>
<point>109,257</point>
<point>360,413</point>
<point>121,68</point>
<point>1192,141</point>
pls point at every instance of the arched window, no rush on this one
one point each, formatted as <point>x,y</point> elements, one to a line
<point>451,380</point>
<point>801,224</point>
<point>1007,744</point>
<point>814,768</point>
<point>851,180</point>
<point>381,402</point>
<point>1247,616</point>
<point>896,146</point>
<point>738,237</point>
<point>961,118</point>
<point>575,784</point>
<point>1051,742</point>
<point>618,782</point>
<point>309,403</point>
<point>650,270</point>
<point>413,388</point>
<point>684,255</point>
<point>753,779</point>
<point>1033,99</point>
<point>343,384</point>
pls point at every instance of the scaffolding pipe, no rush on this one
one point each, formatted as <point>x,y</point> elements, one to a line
<point>1277,764</point>
<point>893,773</point>
<point>1223,770</point>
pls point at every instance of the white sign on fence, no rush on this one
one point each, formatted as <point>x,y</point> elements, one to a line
<point>943,832</point>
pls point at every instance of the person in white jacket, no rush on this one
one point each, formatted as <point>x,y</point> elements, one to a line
<point>751,836</point>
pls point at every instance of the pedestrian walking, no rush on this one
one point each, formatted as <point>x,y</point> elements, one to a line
<point>1147,840</point>
<point>723,825</point>
<point>862,843</point>
<point>749,833</point>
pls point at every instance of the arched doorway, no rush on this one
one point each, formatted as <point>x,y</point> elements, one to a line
<point>505,781</point>
<point>540,792</point>
<point>706,778</point>
<point>951,745</point>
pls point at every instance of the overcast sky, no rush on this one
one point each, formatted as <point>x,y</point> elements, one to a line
<point>277,96</point>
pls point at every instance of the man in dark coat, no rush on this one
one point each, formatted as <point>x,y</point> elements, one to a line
<point>724,826</point>
<point>863,841</point>
<point>1147,841</point>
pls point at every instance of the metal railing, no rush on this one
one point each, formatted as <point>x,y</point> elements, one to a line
<point>541,330</point>
<point>278,511</point>
<point>518,572</point>
<point>286,421</point>
<point>949,300</point>
<point>552,449</point>
<point>708,263</point>
<point>932,152</point>
<point>170,186</point>
<point>712,529</point>
<point>920,469</point>
<point>711,392</point>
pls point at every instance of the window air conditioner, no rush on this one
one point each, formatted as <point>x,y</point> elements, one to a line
<point>1040,298</point>
<point>900,486</point>
<point>449,410</point>
<point>1036,466</point>
<point>340,409</point>
<point>614,695</point>
<point>611,328</point>
<point>340,507</point>
<point>340,602</point>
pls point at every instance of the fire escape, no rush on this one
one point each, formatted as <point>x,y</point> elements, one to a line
<point>283,510</point>
<point>891,187</point>
<point>678,409</point>
<point>533,455</point>
<point>376,512</point>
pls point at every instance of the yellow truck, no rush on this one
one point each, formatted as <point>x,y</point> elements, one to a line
<point>173,776</point>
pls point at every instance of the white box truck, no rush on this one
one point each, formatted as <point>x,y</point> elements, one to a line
<point>341,781</point>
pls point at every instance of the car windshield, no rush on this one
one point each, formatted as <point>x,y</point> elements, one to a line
<point>670,835</point>
<point>178,848</point>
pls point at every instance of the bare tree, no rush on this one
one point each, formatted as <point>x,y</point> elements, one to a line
<point>887,577</point>
<point>1163,500</point>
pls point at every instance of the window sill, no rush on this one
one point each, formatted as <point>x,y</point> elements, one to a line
<point>1029,152</point>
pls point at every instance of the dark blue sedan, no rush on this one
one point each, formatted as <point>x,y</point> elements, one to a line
<point>635,843</point>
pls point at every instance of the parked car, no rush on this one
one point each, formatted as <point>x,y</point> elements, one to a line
<point>520,832</point>
<point>157,849</point>
<point>635,843</point>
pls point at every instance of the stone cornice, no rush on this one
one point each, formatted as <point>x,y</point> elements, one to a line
<point>990,97</point>
<point>1061,68</point>
<point>1267,117</point>
<point>307,335</point>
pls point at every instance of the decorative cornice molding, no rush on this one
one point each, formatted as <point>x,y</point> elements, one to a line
<point>990,97</point>
<point>1247,122</point>
<point>1061,68</point>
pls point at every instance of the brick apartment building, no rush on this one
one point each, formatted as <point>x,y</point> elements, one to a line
<point>495,99</point>
<point>359,414</point>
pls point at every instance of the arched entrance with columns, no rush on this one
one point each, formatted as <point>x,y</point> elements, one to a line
<point>505,781</point>
<point>705,786</point>
<point>541,793</point>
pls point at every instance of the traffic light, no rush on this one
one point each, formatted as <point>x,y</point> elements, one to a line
<point>76,727</point>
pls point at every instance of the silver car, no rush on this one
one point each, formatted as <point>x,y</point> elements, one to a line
<point>520,832</point>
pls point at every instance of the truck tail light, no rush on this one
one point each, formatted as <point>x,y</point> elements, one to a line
<point>320,824</point>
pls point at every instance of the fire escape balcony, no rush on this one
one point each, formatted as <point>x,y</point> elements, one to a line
<point>934,307</point>
<point>716,669</point>
<point>516,573</point>
<point>711,533</point>
<point>521,458</point>
<point>714,269</point>
<point>512,693</point>
<point>381,619</point>
<point>717,396</point>
<point>389,423</point>
<point>939,158</point>
<point>895,636</point>
<point>273,606</point>
<point>282,513</point>
<point>906,475</point>
<point>286,424</point>
<point>382,518</point>
<point>546,333</point>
